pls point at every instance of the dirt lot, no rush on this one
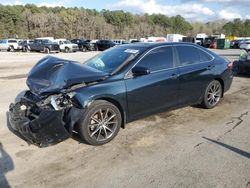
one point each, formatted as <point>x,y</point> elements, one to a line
<point>190,147</point>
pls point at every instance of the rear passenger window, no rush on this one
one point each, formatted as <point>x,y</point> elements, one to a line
<point>188,55</point>
<point>158,59</point>
<point>204,56</point>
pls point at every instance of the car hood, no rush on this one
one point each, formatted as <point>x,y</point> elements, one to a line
<point>51,75</point>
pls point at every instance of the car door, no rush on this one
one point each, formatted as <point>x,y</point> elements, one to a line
<point>156,91</point>
<point>196,70</point>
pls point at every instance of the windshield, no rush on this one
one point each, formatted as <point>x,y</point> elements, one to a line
<point>111,59</point>
<point>67,42</point>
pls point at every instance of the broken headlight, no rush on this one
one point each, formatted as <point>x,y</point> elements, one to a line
<point>58,102</point>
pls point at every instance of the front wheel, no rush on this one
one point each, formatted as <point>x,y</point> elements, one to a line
<point>212,94</point>
<point>100,123</point>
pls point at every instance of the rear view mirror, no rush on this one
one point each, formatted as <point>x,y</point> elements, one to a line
<point>139,71</point>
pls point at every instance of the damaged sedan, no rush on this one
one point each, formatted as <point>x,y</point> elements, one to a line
<point>96,98</point>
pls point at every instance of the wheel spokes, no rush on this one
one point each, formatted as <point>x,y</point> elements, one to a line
<point>103,124</point>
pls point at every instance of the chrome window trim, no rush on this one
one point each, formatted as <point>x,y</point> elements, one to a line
<point>129,73</point>
<point>175,45</point>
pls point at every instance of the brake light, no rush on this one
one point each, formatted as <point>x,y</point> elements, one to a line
<point>230,66</point>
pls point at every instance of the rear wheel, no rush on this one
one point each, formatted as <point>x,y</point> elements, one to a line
<point>46,50</point>
<point>11,49</point>
<point>100,123</point>
<point>212,94</point>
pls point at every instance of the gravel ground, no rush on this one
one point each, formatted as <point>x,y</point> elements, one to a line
<point>189,147</point>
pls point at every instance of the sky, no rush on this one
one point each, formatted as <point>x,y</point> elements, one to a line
<point>192,10</point>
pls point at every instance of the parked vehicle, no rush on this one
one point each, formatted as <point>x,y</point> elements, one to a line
<point>120,41</point>
<point>235,43</point>
<point>44,45</point>
<point>104,44</point>
<point>66,46</point>
<point>188,39</point>
<point>115,87</point>
<point>175,38</point>
<point>24,45</point>
<point>9,45</point>
<point>133,40</point>
<point>200,39</point>
<point>242,66</point>
<point>83,45</point>
<point>245,45</point>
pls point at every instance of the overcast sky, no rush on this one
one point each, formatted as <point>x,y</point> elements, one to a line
<point>192,10</point>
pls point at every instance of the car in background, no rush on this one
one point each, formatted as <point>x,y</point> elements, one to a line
<point>133,40</point>
<point>24,45</point>
<point>9,44</point>
<point>83,45</point>
<point>104,44</point>
<point>97,97</point>
<point>245,45</point>
<point>45,45</point>
<point>236,43</point>
<point>120,41</point>
<point>66,45</point>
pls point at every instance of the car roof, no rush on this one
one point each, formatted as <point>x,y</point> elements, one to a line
<point>156,44</point>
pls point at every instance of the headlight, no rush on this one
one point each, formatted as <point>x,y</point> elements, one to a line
<point>62,101</point>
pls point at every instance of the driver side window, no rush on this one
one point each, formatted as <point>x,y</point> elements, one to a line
<point>158,59</point>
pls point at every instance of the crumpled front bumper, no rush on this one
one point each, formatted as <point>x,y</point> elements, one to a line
<point>46,128</point>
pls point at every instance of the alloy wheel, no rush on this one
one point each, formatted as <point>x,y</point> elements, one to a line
<point>214,93</point>
<point>102,124</point>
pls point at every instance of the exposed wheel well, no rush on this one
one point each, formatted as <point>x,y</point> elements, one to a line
<point>222,85</point>
<point>119,106</point>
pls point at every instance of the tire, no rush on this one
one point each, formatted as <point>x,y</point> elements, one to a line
<point>46,50</point>
<point>92,127</point>
<point>66,50</point>
<point>212,95</point>
<point>84,49</point>
<point>26,49</point>
<point>11,49</point>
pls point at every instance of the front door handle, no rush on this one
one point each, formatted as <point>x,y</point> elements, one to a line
<point>210,67</point>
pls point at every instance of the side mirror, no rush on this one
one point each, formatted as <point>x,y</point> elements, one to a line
<point>139,71</point>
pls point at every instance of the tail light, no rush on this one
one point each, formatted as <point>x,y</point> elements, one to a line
<point>230,66</point>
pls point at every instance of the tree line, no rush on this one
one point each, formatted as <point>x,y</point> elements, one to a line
<point>30,21</point>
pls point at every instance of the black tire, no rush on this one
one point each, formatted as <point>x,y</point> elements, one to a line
<point>84,49</point>
<point>11,49</point>
<point>46,50</point>
<point>212,95</point>
<point>26,49</point>
<point>66,50</point>
<point>100,123</point>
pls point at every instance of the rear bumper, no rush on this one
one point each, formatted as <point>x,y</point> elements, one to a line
<point>48,128</point>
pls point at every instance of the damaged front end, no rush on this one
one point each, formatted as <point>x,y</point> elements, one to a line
<point>44,121</point>
<point>46,114</point>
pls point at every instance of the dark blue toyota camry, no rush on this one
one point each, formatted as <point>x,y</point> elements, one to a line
<point>98,97</point>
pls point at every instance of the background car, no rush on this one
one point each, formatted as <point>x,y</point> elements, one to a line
<point>235,43</point>
<point>24,45</point>
<point>9,45</point>
<point>120,41</point>
<point>104,44</point>
<point>83,45</point>
<point>245,45</point>
<point>66,45</point>
<point>45,45</point>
